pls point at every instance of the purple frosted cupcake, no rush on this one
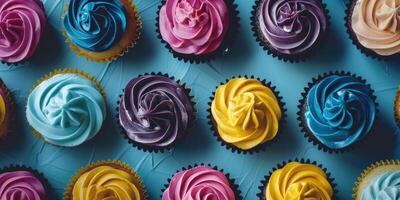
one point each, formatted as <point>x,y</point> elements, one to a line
<point>155,111</point>
<point>289,29</point>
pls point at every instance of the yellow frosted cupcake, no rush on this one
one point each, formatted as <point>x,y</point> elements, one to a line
<point>380,180</point>
<point>246,114</point>
<point>6,110</point>
<point>101,30</point>
<point>297,180</point>
<point>105,180</point>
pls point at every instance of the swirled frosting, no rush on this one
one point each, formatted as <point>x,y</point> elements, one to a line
<point>386,186</point>
<point>66,109</point>
<point>155,110</point>
<point>246,113</point>
<point>194,26</point>
<point>21,185</point>
<point>340,111</point>
<point>199,183</point>
<point>22,24</point>
<point>299,181</point>
<point>376,23</point>
<point>106,182</point>
<point>95,25</point>
<point>292,26</point>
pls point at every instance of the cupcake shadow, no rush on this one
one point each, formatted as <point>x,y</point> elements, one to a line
<point>196,140</point>
<point>51,47</point>
<point>143,51</point>
<point>333,50</point>
<point>240,52</point>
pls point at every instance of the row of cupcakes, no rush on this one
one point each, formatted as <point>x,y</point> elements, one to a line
<point>67,108</point>
<point>197,31</point>
<point>292,179</point>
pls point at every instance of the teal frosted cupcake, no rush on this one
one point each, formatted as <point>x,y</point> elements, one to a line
<point>66,108</point>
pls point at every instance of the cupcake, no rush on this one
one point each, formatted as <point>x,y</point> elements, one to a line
<point>299,179</point>
<point>22,25</point>
<point>373,27</point>
<point>66,108</point>
<point>397,107</point>
<point>201,182</point>
<point>105,180</point>
<point>289,29</point>
<point>337,111</point>
<point>380,181</point>
<point>6,110</point>
<point>23,183</point>
<point>246,114</point>
<point>155,112</point>
<point>197,31</point>
<point>101,30</point>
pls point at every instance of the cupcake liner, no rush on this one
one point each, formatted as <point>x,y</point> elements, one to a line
<point>368,170</point>
<point>260,147</point>
<point>352,36</point>
<point>113,163</point>
<point>66,71</point>
<point>232,182</point>
<point>10,115</point>
<point>302,108</point>
<point>223,49</point>
<point>49,190</point>
<point>264,182</point>
<point>263,42</point>
<point>149,148</point>
<point>396,107</point>
<point>119,49</point>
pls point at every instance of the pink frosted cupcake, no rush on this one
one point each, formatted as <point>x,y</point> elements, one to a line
<point>22,24</point>
<point>197,31</point>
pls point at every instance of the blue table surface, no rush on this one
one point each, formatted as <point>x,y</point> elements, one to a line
<point>246,57</point>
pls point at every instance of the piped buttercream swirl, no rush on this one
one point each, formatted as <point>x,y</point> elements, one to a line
<point>21,185</point>
<point>385,186</point>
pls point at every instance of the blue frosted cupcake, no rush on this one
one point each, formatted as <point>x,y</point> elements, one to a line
<point>337,111</point>
<point>101,30</point>
<point>66,108</point>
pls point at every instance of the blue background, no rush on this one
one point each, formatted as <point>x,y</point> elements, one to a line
<point>246,57</point>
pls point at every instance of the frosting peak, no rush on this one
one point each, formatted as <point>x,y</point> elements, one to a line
<point>246,113</point>
<point>21,185</point>
<point>22,24</point>
<point>194,26</point>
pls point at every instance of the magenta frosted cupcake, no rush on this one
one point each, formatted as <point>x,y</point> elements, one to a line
<point>197,31</point>
<point>22,25</point>
<point>289,29</point>
<point>201,182</point>
<point>155,112</point>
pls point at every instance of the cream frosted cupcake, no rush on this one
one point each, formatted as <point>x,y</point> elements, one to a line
<point>380,181</point>
<point>246,114</point>
<point>66,108</point>
<point>374,26</point>
<point>101,30</point>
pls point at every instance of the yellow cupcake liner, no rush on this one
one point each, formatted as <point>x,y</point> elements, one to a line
<point>66,71</point>
<point>5,125</point>
<point>112,163</point>
<point>128,40</point>
<point>366,172</point>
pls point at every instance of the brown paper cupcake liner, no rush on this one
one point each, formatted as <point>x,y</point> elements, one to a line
<point>368,170</point>
<point>112,163</point>
<point>232,182</point>
<point>223,49</point>
<point>66,71</point>
<point>396,107</point>
<point>264,182</point>
<point>260,147</point>
<point>149,148</point>
<point>15,167</point>
<point>119,49</point>
<point>296,58</point>
<point>353,37</point>
<point>302,108</point>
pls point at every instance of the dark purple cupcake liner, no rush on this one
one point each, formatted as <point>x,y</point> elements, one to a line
<point>15,167</point>
<point>223,49</point>
<point>303,124</point>
<point>149,148</point>
<point>232,182</point>
<point>258,148</point>
<point>263,42</point>
<point>352,36</point>
<point>265,181</point>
